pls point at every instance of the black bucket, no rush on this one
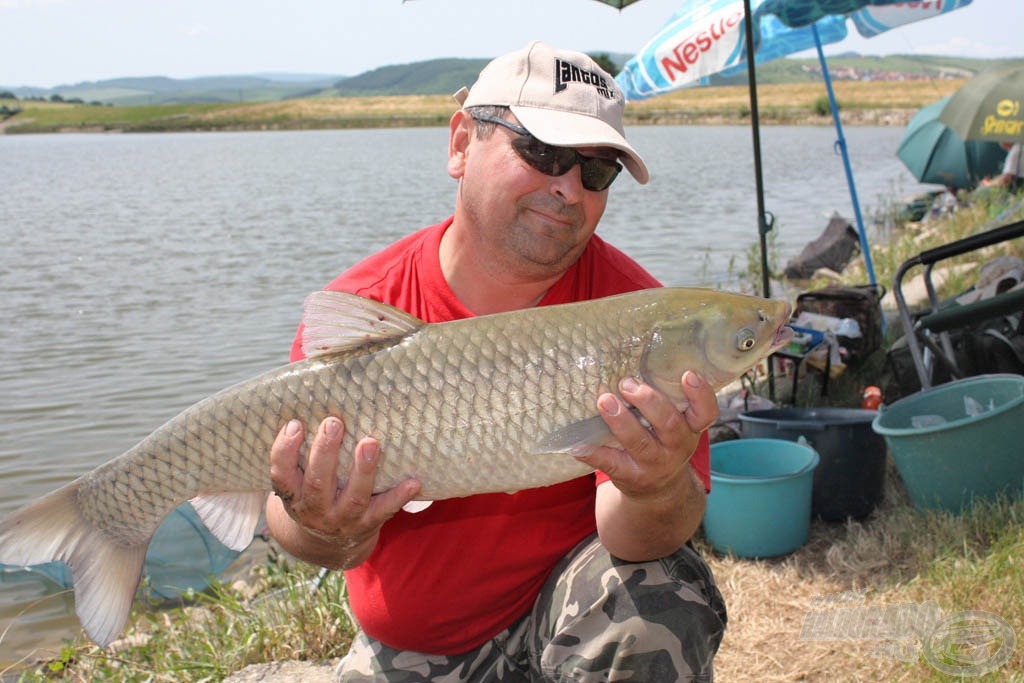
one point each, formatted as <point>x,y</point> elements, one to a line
<point>850,479</point>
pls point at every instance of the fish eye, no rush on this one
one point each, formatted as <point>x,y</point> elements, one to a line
<point>745,340</point>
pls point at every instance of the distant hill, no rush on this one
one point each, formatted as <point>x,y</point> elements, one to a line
<point>445,76</point>
<point>164,90</point>
<point>433,77</point>
<point>864,67</point>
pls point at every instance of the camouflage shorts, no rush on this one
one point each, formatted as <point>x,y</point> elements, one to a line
<point>597,618</point>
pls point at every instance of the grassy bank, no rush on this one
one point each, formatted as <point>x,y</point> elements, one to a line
<point>879,103</point>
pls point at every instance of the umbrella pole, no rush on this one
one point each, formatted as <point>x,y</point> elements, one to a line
<point>841,144</point>
<point>763,225</point>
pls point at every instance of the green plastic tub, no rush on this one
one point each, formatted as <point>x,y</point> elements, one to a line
<point>760,500</point>
<point>959,441</point>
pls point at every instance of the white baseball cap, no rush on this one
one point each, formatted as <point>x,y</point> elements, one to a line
<point>562,97</point>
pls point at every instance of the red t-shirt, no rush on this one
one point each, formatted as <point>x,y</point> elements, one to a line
<point>449,578</point>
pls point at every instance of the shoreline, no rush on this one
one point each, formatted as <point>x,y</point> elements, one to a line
<point>861,103</point>
<point>863,117</point>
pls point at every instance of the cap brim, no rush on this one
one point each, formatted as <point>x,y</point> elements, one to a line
<point>568,129</point>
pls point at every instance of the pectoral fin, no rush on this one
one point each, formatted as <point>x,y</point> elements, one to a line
<point>577,439</point>
<point>232,516</point>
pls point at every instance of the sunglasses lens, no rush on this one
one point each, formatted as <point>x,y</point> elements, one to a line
<point>541,156</point>
<point>596,174</point>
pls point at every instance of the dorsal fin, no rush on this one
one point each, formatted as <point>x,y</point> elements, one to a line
<point>336,321</point>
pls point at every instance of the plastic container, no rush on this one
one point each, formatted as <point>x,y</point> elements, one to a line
<point>966,444</point>
<point>850,480</point>
<point>760,500</point>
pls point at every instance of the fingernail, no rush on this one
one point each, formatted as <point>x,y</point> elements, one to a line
<point>292,428</point>
<point>370,451</point>
<point>692,379</point>
<point>331,427</point>
<point>629,384</point>
<point>608,404</point>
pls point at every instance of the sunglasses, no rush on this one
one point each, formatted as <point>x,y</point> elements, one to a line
<point>596,173</point>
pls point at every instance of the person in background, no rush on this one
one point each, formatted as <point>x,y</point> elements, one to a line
<point>1012,176</point>
<point>592,579</point>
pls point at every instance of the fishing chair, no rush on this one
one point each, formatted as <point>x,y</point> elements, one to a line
<point>929,338</point>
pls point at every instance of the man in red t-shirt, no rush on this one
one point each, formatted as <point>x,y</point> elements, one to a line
<point>591,579</point>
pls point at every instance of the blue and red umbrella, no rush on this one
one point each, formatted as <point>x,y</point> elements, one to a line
<point>706,37</point>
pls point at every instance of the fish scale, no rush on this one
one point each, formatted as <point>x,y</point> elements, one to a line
<point>486,404</point>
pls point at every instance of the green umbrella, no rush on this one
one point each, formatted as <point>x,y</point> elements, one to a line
<point>935,154</point>
<point>988,107</point>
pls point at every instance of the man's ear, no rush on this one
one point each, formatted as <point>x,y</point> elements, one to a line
<point>460,128</point>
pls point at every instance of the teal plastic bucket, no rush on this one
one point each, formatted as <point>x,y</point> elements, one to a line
<point>959,441</point>
<point>760,500</point>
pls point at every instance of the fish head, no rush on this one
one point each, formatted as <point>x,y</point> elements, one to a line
<point>720,336</point>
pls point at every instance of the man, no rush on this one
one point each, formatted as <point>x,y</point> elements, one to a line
<point>586,580</point>
<point>1012,175</point>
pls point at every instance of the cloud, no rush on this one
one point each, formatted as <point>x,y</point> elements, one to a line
<point>194,31</point>
<point>964,47</point>
<point>23,4</point>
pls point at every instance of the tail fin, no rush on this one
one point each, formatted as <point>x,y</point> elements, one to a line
<point>105,574</point>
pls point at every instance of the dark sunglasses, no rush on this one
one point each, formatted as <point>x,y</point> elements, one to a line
<point>596,173</point>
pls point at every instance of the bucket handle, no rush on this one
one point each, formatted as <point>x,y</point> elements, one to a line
<point>814,461</point>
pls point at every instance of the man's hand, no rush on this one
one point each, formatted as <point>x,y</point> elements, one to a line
<point>315,519</point>
<point>656,502</point>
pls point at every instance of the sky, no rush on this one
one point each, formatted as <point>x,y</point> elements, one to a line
<point>47,43</point>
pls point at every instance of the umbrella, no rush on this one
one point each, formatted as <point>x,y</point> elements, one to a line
<point>707,33</point>
<point>988,107</point>
<point>936,154</point>
<point>705,37</point>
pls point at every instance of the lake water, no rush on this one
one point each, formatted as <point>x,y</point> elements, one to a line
<point>140,273</point>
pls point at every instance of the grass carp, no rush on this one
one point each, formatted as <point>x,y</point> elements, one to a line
<point>486,404</point>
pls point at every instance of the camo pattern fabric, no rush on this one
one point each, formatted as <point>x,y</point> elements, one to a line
<point>597,618</point>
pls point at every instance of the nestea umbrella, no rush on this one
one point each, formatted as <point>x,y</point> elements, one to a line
<point>705,37</point>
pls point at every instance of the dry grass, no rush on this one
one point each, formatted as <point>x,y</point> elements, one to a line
<point>875,103</point>
<point>425,107</point>
<point>898,557</point>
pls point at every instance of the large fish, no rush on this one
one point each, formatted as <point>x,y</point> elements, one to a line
<point>486,404</point>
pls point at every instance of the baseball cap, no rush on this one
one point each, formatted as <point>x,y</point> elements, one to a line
<point>562,97</point>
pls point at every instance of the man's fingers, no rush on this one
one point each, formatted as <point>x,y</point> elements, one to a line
<point>285,476</point>
<point>320,483</point>
<point>388,503</point>
<point>659,425</point>
<point>358,497</point>
<point>703,409</point>
<point>312,495</point>
<point>358,490</point>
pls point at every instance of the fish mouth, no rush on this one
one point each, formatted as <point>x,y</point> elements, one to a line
<point>782,336</point>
